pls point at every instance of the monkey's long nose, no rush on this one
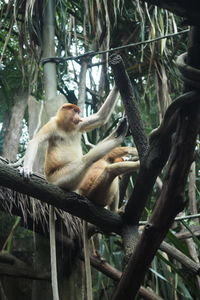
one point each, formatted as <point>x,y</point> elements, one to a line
<point>78,119</point>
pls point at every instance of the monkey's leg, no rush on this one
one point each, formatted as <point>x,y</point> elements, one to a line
<point>112,141</point>
<point>105,185</point>
<point>70,175</point>
<point>120,152</point>
<point>121,168</point>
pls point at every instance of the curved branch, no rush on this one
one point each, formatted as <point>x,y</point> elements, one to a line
<point>171,200</point>
<point>168,124</point>
<point>187,70</point>
<point>184,8</point>
<point>156,158</point>
<point>169,204</point>
<point>102,266</point>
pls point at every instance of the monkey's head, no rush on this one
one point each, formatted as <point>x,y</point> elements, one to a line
<point>68,116</point>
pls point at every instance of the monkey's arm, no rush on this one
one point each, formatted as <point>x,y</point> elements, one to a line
<point>43,134</point>
<point>103,114</point>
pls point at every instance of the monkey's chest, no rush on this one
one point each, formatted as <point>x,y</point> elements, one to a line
<point>60,153</point>
<point>64,153</point>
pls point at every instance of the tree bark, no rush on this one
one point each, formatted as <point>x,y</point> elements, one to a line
<point>171,200</point>
<point>14,131</point>
<point>68,201</point>
<point>187,9</point>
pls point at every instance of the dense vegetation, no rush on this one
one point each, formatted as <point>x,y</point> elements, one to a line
<point>96,28</point>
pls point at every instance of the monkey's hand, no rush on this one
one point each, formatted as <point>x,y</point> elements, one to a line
<point>122,128</point>
<point>26,172</point>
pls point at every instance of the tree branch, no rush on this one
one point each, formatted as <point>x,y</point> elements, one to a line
<point>171,200</point>
<point>156,158</point>
<point>102,266</point>
<point>187,262</point>
<point>68,201</point>
<point>125,88</point>
<point>194,231</point>
<point>187,9</point>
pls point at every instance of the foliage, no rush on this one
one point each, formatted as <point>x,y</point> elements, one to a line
<point>83,26</point>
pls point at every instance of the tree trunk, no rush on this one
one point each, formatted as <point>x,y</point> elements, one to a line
<point>49,109</point>
<point>13,134</point>
<point>43,290</point>
<point>82,85</point>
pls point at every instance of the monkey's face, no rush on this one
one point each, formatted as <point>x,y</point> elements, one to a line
<point>68,116</point>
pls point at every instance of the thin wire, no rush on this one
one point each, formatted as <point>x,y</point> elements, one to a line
<point>177,218</point>
<point>93,53</point>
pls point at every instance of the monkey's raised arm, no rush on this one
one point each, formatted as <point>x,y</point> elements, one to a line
<point>43,134</point>
<point>102,116</point>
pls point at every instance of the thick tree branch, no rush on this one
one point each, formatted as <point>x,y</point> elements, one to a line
<point>154,157</point>
<point>10,266</point>
<point>125,88</point>
<point>186,261</point>
<point>171,200</point>
<point>187,9</point>
<point>101,265</point>
<point>68,201</point>
<point>96,261</point>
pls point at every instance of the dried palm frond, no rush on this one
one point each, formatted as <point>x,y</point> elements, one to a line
<point>32,209</point>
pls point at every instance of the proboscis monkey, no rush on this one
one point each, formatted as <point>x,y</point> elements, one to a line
<point>65,164</point>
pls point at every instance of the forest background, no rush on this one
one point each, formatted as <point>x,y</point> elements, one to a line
<point>43,46</point>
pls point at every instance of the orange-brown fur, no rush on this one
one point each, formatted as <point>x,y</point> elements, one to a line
<point>101,185</point>
<point>68,116</point>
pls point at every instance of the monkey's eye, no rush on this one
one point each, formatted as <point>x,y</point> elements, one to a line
<point>76,110</point>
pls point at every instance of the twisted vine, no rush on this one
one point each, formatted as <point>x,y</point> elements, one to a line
<point>190,76</point>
